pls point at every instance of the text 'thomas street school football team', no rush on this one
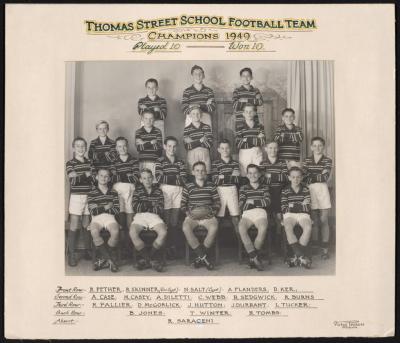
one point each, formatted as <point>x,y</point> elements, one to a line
<point>114,191</point>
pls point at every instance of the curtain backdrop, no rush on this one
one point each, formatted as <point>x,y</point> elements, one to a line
<point>310,92</point>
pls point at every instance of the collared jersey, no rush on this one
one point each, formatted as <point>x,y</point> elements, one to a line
<point>101,154</point>
<point>125,171</point>
<point>170,173</point>
<point>219,167</point>
<point>196,133</point>
<point>159,102</point>
<point>317,171</point>
<point>191,96</point>
<point>292,202</point>
<point>149,151</point>
<point>143,201</point>
<point>289,142</point>
<point>80,184</point>
<point>275,174</point>
<point>97,200</point>
<point>260,197</point>
<point>249,94</point>
<point>247,137</point>
<point>194,196</point>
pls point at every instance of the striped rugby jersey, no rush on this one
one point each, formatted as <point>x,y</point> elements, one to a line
<point>219,167</point>
<point>249,94</point>
<point>191,96</point>
<point>169,173</point>
<point>143,202</point>
<point>159,102</point>
<point>313,170</point>
<point>127,172</point>
<point>259,195</point>
<point>97,200</point>
<point>80,184</point>
<point>148,151</point>
<point>195,133</point>
<point>292,202</point>
<point>289,142</point>
<point>101,154</point>
<point>247,137</point>
<point>278,172</point>
<point>194,196</point>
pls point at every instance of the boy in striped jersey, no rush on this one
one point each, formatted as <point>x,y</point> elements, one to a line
<point>148,204</point>
<point>148,142</point>
<point>295,204</point>
<point>317,169</point>
<point>254,200</point>
<point>104,207</point>
<point>171,175</point>
<point>125,174</point>
<point>102,149</point>
<point>80,174</point>
<point>197,138</point>
<point>200,194</point>
<point>154,103</point>
<point>289,136</point>
<point>200,95</point>
<point>275,176</point>
<point>226,176</point>
<point>245,94</point>
<point>250,139</point>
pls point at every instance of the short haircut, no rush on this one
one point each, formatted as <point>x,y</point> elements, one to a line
<point>151,81</point>
<point>317,138</point>
<point>77,139</point>
<point>292,169</point>
<point>246,69</point>
<point>193,107</point>
<point>103,122</point>
<point>121,139</point>
<point>247,104</point>
<point>252,165</point>
<point>103,168</point>
<point>195,67</point>
<point>199,163</point>
<point>270,142</point>
<point>170,138</point>
<point>146,170</point>
<point>224,141</point>
<point>148,110</point>
<point>288,109</point>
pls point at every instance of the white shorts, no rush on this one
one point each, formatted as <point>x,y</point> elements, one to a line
<point>78,204</point>
<point>149,165</point>
<point>255,214</point>
<point>104,220</point>
<point>249,156</point>
<point>125,193</point>
<point>320,198</point>
<point>299,218</point>
<point>229,198</point>
<point>205,118</point>
<point>199,154</point>
<point>172,196</point>
<point>148,220</point>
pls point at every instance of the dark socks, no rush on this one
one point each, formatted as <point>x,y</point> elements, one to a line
<point>155,253</point>
<point>144,254</point>
<point>103,250</point>
<point>253,254</point>
<point>297,249</point>
<point>71,241</point>
<point>200,251</point>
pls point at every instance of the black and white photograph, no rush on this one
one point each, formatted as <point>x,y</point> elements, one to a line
<point>200,168</point>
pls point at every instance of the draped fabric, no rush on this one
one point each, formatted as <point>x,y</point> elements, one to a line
<point>310,92</point>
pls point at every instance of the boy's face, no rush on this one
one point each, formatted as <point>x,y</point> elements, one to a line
<point>195,114</point>
<point>79,148</point>
<point>246,78</point>
<point>198,76</point>
<point>200,172</point>
<point>148,119</point>
<point>102,130</point>
<point>248,112</point>
<point>253,175</point>
<point>146,179</point>
<point>272,149</point>
<point>152,89</point>
<point>122,147</point>
<point>288,118</point>
<point>317,147</point>
<point>225,150</point>
<point>103,177</point>
<point>170,148</point>
<point>295,177</point>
